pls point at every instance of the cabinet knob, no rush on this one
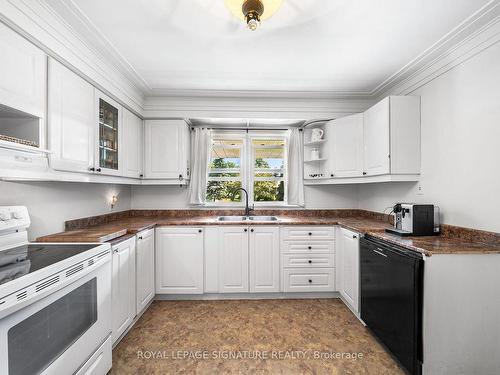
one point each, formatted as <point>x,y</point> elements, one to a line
<point>141,175</point>
<point>92,169</point>
<point>309,247</point>
<point>199,230</point>
<point>140,237</point>
<point>98,169</point>
<point>354,236</point>
<point>310,281</point>
<point>332,175</point>
<point>180,177</point>
<point>310,261</point>
<point>364,173</point>
<point>115,250</point>
<point>251,230</point>
<point>245,230</point>
<point>310,233</point>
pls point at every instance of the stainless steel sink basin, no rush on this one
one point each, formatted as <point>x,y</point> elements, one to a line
<point>244,218</point>
<point>263,218</point>
<point>231,218</point>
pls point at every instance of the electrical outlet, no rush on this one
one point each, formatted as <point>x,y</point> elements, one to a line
<point>420,190</point>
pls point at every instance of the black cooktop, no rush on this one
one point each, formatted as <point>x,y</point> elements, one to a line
<point>22,260</point>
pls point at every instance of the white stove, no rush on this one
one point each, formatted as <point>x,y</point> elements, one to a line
<point>55,304</point>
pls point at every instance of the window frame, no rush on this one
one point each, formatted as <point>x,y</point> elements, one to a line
<point>247,165</point>
<point>251,180</point>
<point>243,169</point>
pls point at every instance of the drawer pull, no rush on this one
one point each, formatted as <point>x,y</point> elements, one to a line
<point>309,247</point>
<point>310,233</point>
<point>310,281</point>
<point>310,261</point>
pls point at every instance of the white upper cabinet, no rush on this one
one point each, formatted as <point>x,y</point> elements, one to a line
<point>233,260</point>
<point>71,120</point>
<point>264,259</point>
<point>346,146</point>
<point>166,150</point>
<point>376,139</point>
<point>132,144</point>
<point>23,74</point>
<point>109,135</point>
<point>392,136</point>
<point>179,260</point>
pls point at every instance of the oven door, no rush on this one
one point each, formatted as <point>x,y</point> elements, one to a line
<point>59,333</point>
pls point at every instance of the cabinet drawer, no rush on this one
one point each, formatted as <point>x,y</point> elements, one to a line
<point>308,260</point>
<point>305,233</point>
<point>307,247</point>
<point>309,280</point>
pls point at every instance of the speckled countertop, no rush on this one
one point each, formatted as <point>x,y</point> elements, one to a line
<point>454,240</point>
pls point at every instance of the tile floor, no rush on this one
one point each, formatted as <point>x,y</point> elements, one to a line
<point>275,336</point>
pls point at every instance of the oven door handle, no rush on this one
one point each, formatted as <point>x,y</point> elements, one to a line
<point>379,252</point>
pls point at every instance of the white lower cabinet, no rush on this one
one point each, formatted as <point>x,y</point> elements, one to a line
<point>264,259</point>
<point>233,260</point>
<point>179,260</point>
<point>307,256</point>
<point>348,267</point>
<point>145,269</point>
<point>241,259</point>
<point>123,287</point>
<point>309,280</point>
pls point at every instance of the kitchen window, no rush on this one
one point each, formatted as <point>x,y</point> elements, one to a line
<point>254,161</point>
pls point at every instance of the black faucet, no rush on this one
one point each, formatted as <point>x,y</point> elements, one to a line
<point>247,208</point>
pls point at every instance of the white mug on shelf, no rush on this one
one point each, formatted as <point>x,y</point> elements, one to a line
<point>316,134</point>
<point>314,154</point>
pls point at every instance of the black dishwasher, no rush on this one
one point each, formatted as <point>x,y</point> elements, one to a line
<point>391,299</point>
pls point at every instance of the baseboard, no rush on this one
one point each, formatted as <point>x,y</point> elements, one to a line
<point>242,296</point>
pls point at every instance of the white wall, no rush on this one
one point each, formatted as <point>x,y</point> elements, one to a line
<point>168,197</point>
<point>460,147</point>
<point>50,204</point>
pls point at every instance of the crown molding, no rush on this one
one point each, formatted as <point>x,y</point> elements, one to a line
<point>42,26</point>
<point>426,63</point>
<point>475,33</point>
<point>300,107</point>
<point>95,39</point>
<point>80,45</point>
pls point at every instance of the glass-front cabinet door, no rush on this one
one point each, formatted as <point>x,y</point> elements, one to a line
<point>109,136</point>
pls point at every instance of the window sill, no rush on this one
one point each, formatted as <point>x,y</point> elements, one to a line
<point>239,206</point>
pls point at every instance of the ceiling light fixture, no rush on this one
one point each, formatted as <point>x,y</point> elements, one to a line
<point>253,11</point>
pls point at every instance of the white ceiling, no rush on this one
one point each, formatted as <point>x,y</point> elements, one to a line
<point>340,46</point>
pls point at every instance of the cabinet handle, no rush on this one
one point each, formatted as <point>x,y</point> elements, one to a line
<point>245,229</point>
<point>309,247</point>
<point>115,250</point>
<point>310,281</point>
<point>251,230</point>
<point>92,169</point>
<point>199,230</point>
<point>310,261</point>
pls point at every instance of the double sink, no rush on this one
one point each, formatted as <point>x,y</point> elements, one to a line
<point>249,218</point>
